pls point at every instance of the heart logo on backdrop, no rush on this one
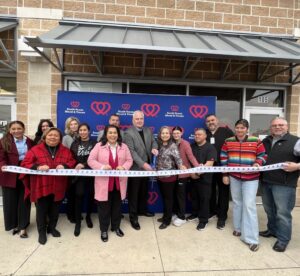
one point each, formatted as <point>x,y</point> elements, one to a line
<point>100,127</point>
<point>198,111</point>
<point>75,104</point>
<point>153,196</point>
<point>100,108</point>
<point>125,106</point>
<point>150,110</point>
<point>174,108</point>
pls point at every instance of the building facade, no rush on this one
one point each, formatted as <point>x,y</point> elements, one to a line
<point>250,61</point>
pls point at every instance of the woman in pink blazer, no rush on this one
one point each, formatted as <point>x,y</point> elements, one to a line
<point>110,154</point>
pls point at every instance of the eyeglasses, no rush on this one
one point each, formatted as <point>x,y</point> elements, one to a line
<point>279,125</point>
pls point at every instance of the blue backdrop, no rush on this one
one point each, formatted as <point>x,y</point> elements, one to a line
<point>95,108</point>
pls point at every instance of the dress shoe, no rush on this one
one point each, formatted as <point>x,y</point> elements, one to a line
<point>160,220</point>
<point>16,231</point>
<point>104,236</point>
<point>119,232</point>
<point>163,226</point>
<point>42,238</point>
<point>55,233</point>
<point>266,234</point>
<point>279,247</point>
<point>77,230</point>
<point>135,224</point>
<point>147,214</point>
<point>89,222</point>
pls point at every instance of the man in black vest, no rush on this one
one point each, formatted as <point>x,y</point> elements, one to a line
<point>219,201</point>
<point>279,186</point>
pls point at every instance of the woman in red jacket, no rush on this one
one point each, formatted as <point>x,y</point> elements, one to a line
<point>45,190</point>
<point>13,147</point>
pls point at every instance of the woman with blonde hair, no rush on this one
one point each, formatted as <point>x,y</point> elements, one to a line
<point>71,130</point>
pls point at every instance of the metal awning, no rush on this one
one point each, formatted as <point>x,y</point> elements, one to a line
<point>104,37</point>
<point>7,23</point>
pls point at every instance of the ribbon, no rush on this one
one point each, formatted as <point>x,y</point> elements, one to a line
<point>120,173</point>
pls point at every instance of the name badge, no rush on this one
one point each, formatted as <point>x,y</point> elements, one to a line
<point>212,140</point>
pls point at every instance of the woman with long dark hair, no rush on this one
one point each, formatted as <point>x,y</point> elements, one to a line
<point>81,149</point>
<point>43,125</point>
<point>110,154</point>
<point>242,150</point>
<point>168,159</point>
<point>13,147</point>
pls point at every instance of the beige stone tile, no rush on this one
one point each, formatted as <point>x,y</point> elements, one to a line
<point>137,251</point>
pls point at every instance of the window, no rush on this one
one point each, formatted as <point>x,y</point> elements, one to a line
<point>149,88</point>
<point>93,86</point>
<point>264,98</point>
<point>229,102</point>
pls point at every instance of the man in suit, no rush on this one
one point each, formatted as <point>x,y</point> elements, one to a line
<point>114,120</point>
<point>142,145</point>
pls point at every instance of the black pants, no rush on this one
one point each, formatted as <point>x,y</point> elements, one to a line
<point>46,207</point>
<point>201,192</point>
<point>70,196</point>
<point>219,201</point>
<point>167,191</point>
<point>137,196</point>
<point>83,186</point>
<point>180,197</point>
<point>16,210</point>
<point>110,211</point>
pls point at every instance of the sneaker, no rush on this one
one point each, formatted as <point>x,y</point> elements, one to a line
<point>221,224</point>
<point>174,217</point>
<point>178,222</point>
<point>191,217</point>
<point>201,226</point>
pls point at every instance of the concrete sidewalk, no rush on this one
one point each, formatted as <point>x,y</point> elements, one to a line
<point>150,251</point>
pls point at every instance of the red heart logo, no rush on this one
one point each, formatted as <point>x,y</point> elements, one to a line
<point>174,108</point>
<point>75,104</point>
<point>100,108</point>
<point>150,110</point>
<point>125,106</point>
<point>198,111</point>
<point>100,127</point>
<point>153,196</point>
<point>124,127</point>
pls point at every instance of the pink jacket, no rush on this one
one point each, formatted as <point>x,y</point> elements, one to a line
<point>99,157</point>
<point>187,156</point>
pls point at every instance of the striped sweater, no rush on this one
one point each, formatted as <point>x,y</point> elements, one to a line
<point>243,154</point>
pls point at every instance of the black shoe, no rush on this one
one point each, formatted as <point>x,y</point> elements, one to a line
<point>221,224</point>
<point>55,233</point>
<point>191,217</point>
<point>160,220</point>
<point>77,230</point>
<point>42,238</point>
<point>16,231</point>
<point>163,226</point>
<point>147,214</point>
<point>104,236</point>
<point>135,224</point>
<point>201,226</point>
<point>279,247</point>
<point>266,234</point>
<point>119,232</point>
<point>89,222</point>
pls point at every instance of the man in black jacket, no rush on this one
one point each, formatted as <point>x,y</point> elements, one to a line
<point>279,186</point>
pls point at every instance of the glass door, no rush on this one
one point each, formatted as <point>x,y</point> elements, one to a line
<point>7,114</point>
<point>259,120</point>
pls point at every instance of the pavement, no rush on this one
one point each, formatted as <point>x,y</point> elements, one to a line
<point>150,251</point>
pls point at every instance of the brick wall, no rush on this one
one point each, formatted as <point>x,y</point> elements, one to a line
<point>268,16</point>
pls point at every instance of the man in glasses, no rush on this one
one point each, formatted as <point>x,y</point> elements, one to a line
<point>279,186</point>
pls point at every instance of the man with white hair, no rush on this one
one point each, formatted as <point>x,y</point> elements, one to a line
<point>279,186</point>
<point>142,145</point>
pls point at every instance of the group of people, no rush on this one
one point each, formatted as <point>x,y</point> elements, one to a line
<point>134,149</point>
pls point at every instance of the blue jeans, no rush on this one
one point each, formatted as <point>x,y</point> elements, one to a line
<point>245,220</point>
<point>279,202</point>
